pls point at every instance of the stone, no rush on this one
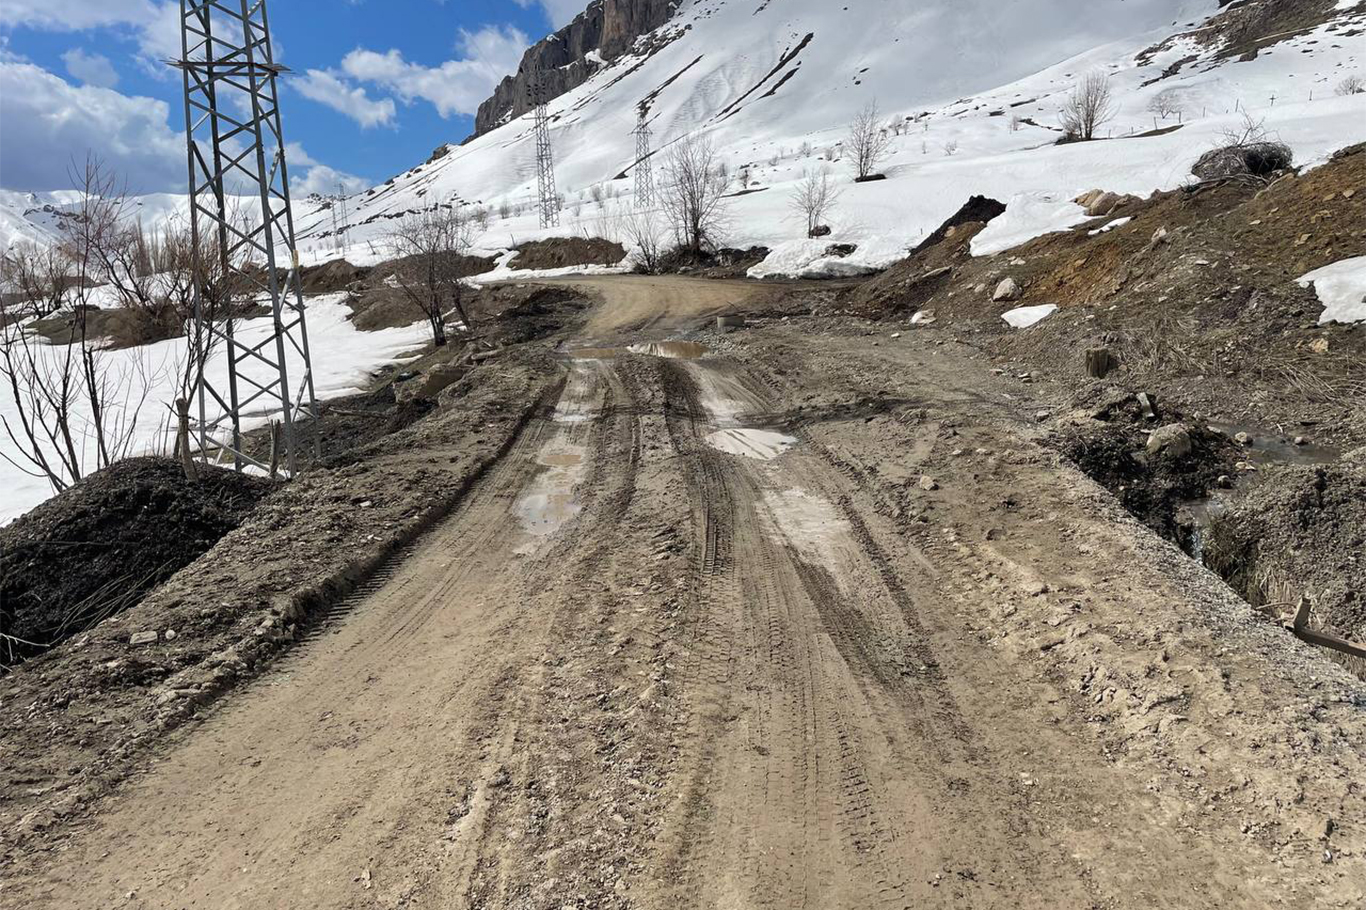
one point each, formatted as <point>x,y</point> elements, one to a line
<point>170,635</point>
<point>1173,440</point>
<point>1008,289</point>
<point>1319,346</point>
<point>928,483</point>
<point>1243,439</point>
<point>1041,416</point>
<point>1160,236</point>
<point>143,638</point>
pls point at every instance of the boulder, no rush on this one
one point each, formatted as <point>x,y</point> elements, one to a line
<point>1008,289</point>
<point>1173,440</point>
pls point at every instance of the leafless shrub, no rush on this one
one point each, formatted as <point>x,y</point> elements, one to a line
<point>599,195</point>
<point>813,199</point>
<point>1352,85</point>
<point>1090,106</point>
<point>434,243</point>
<point>868,141</point>
<point>951,148</point>
<point>1246,151</point>
<point>1166,104</point>
<point>694,193</point>
<point>645,232</point>
<point>1016,123</point>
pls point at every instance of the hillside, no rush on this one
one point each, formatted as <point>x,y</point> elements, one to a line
<point>975,89</point>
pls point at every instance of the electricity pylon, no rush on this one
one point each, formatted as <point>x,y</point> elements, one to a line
<point>645,177</point>
<point>341,220</point>
<point>236,148</point>
<point>545,156</point>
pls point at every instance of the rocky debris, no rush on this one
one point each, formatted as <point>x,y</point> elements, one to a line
<point>1101,203</point>
<point>1252,159</point>
<point>1007,290</point>
<point>148,637</point>
<point>928,483</point>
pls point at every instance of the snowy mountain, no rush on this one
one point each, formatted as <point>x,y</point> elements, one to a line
<point>971,90</point>
<point>974,86</point>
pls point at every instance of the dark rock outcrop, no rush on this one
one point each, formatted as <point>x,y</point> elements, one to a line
<point>608,27</point>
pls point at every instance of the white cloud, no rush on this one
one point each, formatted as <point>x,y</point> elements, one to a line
<point>75,15</point>
<point>456,86</point>
<point>49,122</point>
<point>92,69</point>
<point>325,87</point>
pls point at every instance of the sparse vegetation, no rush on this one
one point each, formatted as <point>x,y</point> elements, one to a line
<point>813,199</point>
<point>868,141</point>
<point>694,193</point>
<point>1166,103</point>
<point>1352,85</point>
<point>1090,106</point>
<point>434,243</point>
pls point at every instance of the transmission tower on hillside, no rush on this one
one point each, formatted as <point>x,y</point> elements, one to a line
<point>645,177</point>
<point>236,149</point>
<point>341,220</point>
<point>545,156</point>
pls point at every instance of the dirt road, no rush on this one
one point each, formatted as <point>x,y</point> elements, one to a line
<point>761,628</point>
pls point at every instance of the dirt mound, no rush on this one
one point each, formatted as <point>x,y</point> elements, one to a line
<point>977,210</point>
<point>1118,446</point>
<point>331,277</point>
<point>563,252</point>
<point>97,548</point>
<point>1301,530</point>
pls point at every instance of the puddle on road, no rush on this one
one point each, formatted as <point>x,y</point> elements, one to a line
<point>808,523</point>
<point>551,499</point>
<point>764,445</point>
<point>673,350</point>
<point>579,401</point>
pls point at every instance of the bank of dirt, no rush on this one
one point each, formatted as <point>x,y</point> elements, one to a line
<point>95,549</point>
<point>78,718</point>
<point>1301,531</point>
<point>563,252</point>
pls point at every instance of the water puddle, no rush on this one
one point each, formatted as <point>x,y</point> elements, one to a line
<point>673,350</point>
<point>1267,448</point>
<point>809,524</point>
<point>579,400</point>
<point>764,445</point>
<point>551,499</point>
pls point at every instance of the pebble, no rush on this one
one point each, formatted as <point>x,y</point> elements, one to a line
<point>143,638</point>
<point>928,483</point>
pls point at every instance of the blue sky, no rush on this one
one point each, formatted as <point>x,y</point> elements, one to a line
<point>377,84</point>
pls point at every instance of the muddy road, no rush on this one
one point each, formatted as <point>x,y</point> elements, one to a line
<point>762,623</point>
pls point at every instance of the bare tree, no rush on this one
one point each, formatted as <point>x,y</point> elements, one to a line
<point>951,148</point>
<point>868,141</point>
<point>694,193</point>
<point>645,232</point>
<point>1166,104</point>
<point>1090,106</point>
<point>434,244</point>
<point>1352,85</point>
<point>813,199</point>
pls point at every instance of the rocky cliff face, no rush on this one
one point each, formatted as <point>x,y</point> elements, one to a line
<point>608,27</point>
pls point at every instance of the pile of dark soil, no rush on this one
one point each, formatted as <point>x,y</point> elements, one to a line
<point>331,277</point>
<point>532,313</point>
<point>1112,448</point>
<point>562,252</point>
<point>99,547</point>
<point>723,263</point>
<point>1300,530</point>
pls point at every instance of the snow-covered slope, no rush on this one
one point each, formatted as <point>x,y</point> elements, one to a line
<point>975,84</point>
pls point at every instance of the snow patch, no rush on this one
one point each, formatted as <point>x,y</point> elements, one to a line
<point>1027,216</point>
<point>1107,228</point>
<point>1025,316</point>
<point>1342,290</point>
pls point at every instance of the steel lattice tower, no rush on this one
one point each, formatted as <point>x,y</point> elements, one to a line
<point>236,146</point>
<point>645,177</point>
<point>341,217</point>
<point>545,156</point>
